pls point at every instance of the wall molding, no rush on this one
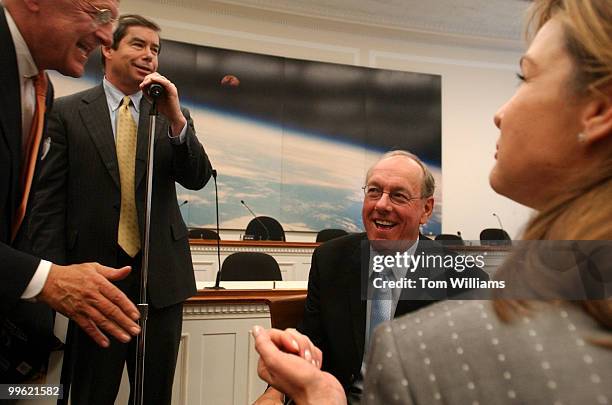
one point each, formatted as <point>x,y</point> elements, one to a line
<point>195,249</point>
<point>352,52</point>
<point>374,56</point>
<point>193,311</point>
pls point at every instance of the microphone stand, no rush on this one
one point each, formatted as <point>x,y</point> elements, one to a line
<point>155,91</point>
<point>218,278</point>
<point>499,220</point>
<point>257,219</point>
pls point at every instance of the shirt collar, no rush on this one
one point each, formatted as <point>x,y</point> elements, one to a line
<point>114,96</point>
<point>25,63</point>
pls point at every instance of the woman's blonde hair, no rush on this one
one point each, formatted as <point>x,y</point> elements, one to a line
<point>587,27</point>
<point>584,212</point>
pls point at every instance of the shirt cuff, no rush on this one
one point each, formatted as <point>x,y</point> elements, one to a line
<point>180,139</point>
<point>38,281</point>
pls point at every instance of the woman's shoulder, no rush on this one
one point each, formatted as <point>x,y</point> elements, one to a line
<point>477,320</point>
<point>534,357</point>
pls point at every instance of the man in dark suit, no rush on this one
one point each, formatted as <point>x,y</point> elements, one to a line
<point>35,36</point>
<point>96,173</point>
<point>337,318</point>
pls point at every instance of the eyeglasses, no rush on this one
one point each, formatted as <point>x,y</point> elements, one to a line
<point>101,16</point>
<point>397,197</point>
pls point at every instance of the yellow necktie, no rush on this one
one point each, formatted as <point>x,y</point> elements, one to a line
<point>31,150</point>
<point>129,235</point>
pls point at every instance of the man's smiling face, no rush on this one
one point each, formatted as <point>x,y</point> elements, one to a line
<point>135,57</point>
<point>386,220</point>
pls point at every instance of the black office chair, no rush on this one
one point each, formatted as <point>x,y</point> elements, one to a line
<point>265,228</point>
<point>250,266</point>
<point>202,233</point>
<point>449,239</point>
<point>328,234</point>
<point>494,237</point>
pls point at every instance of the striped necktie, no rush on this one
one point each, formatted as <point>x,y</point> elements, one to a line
<point>128,236</point>
<point>31,150</point>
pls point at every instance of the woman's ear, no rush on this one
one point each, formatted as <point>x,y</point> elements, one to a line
<point>597,118</point>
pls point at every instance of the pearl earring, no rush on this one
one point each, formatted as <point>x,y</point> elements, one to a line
<point>582,137</point>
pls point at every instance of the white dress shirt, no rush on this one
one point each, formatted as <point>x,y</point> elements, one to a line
<point>114,97</point>
<point>27,69</point>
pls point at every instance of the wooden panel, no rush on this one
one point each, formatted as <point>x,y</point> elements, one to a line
<point>217,359</point>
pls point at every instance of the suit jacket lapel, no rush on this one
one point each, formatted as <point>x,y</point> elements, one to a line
<point>48,105</point>
<point>42,150</point>
<point>357,305</point>
<point>10,107</point>
<point>96,117</point>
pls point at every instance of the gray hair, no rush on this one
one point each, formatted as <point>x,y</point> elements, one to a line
<point>429,184</point>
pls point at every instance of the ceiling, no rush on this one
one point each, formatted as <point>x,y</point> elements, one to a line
<point>485,19</point>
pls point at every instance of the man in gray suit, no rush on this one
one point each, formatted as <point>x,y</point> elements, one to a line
<point>94,195</point>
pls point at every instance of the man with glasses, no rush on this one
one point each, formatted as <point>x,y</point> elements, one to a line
<point>96,181</point>
<point>35,36</point>
<point>398,199</point>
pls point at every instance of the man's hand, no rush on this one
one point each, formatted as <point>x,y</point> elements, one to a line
<point>291,341</point>
<point>84,293</point>
<point>301,379</point>
<point>168,104</point>
<point>271,396</point>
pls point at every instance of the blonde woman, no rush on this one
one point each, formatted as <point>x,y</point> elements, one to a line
<point>554,154</point>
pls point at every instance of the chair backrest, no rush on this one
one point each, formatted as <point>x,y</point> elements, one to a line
<point>327,234</point>
<point>270,230</point>
<point>449,239</point>
<point>494,236</point>
<point>202,233</point>
<point>250,266</point>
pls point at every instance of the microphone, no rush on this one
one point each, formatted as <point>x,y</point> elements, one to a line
<point>218,278</point>
<point>180,206</point>
<point>257,219</point>
<point>155,90</point>
<point>499,220</point>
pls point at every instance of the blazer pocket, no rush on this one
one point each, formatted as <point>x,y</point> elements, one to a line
<point>179,231</point>
<point>72,238</point>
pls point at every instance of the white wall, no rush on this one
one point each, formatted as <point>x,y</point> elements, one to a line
<point>477,77</point>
